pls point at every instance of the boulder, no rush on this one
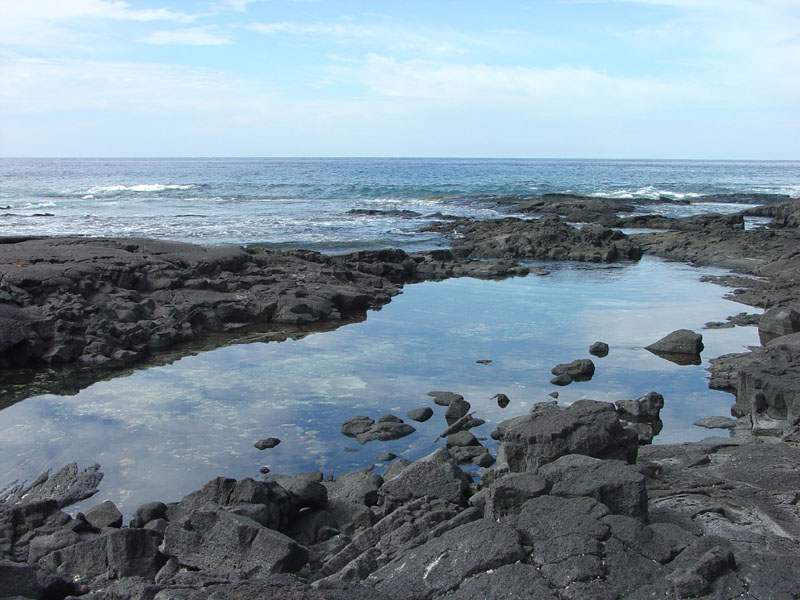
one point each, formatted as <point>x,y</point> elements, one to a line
<point>104,515</point>
<point>274,504</point>
<point>457,408</point>
<point>599,349</point>
<point>121,553</point>
<point>218,539</point>
<point>352,427</point>
<point>420,414</point>
<point>645,409</point>
<point>681,342</point>
<point>385,431</point>
<point>360,487</point>
<point>502,400</point>
<point>31,581</point>
<point>507,494</point>
<point>550,431</point>
<point>147,512</point>
<point>617,485</point>
<point>577,370</point>
<point>462,438</point>
<point>436,475</point>
<point>267,443</point>
<point>778,321</point>
<point>444,398</point>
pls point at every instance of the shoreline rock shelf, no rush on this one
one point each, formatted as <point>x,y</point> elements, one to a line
<point>575,507</point>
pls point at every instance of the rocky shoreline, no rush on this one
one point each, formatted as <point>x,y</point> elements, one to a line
<point>577,505</point>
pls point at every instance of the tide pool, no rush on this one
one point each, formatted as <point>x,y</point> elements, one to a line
<point>164,431</point>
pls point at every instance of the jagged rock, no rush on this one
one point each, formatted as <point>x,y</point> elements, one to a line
<point>546,238</point>
<point>617,485</point>
<point>778,321</point>
<point>66,487</point>
<point>549,432</point>
<point>273,505</point>
<point>120,553</point>
<point>218,539</point>
<point>435,475</point>
<point>420,414</point>
<point>307,492</point>
<point>104,515</point>
<point>641,410</point>
<point>441,564</point>
<point>518,581</point>
<point>507,494</point>
<point>360,487</point>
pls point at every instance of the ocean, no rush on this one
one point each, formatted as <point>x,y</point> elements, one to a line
<point>340,204</point>
<point>160,432</point>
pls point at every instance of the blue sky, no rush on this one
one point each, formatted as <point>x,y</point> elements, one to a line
<point>551,78</point>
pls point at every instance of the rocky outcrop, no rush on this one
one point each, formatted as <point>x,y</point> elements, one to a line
<point>550,431</point>
<point>109,302</point>
<point>545,238</point>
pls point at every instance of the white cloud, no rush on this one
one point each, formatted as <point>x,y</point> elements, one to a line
<point>41,86</point>
<point>53,10</point>
<point>63,23</point>
<point>195,36</point>
<point>562,90</point>
<point>393,38</point>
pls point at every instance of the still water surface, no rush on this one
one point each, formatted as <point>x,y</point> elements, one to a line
<point>162,432</point>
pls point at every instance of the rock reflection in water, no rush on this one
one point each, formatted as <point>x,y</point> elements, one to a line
<point>162,432</point>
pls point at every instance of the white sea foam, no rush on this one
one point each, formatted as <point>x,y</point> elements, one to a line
<point>142,187</point>
<point>649,191</point>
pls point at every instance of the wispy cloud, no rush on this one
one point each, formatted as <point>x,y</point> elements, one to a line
<point>194,36</point>
<point>558,90</point>
<point>388,36</point>
<point>53,10</point>
<point>124,88</point>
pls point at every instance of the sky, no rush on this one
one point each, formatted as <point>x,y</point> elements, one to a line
<point>708,79</point>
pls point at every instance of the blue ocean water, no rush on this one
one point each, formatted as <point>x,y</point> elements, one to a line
<point>308,202</point>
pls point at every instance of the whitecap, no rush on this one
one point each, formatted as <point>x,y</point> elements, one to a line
<point>142,187</point>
